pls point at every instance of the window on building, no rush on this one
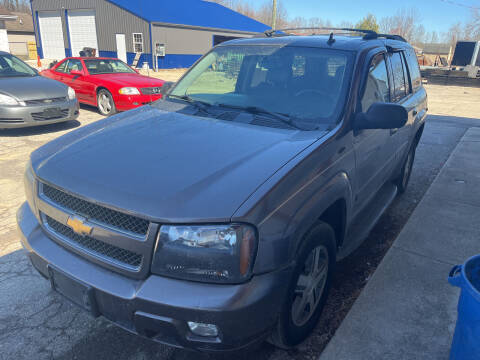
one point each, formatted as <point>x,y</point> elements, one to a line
<point>400,88</point>
<point>138,42</point>
<point>377,88</point>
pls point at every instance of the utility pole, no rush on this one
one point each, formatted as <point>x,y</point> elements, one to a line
<point>274,15</point>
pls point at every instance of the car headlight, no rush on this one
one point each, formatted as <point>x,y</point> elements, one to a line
<point>6,100</point>
<point>129,91</point>
<point>29,184</point>
<point>71,93</point>
<point>209,253</point>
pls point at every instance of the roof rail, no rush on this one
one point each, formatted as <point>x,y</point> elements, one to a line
<point>368,34</point>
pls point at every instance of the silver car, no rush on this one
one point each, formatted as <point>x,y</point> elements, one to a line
<point>28,99</point>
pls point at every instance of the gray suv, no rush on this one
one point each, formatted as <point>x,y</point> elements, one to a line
<point>213,219</point>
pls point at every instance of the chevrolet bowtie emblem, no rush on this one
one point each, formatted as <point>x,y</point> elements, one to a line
<point>77,224</point>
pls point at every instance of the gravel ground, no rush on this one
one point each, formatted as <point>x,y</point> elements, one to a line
<point>37,323</point>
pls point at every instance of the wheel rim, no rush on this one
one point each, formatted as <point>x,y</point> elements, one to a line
<point>104,103</point>
<point>408,169</point>
<point>310,286</point>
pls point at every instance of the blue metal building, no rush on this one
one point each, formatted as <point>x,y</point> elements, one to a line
<point>166,33</point>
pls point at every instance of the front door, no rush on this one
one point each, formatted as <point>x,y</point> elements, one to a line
<point>374,148</point>
<point>121,47</point>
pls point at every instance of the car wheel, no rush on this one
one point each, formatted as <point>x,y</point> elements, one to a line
<point>105,103</point>
<point>404,178</point>
<point>308,288</point>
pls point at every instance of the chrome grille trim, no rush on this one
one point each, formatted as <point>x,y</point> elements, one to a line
<point>111,218</point>
<point>118,256</point>
<point>46,101</point>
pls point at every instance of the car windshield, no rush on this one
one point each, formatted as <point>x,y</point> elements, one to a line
<point>103,66</point>
<point>307,86</point>
<point>11,66</point>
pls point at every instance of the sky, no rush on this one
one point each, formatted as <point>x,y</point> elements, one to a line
<point>437,15</point>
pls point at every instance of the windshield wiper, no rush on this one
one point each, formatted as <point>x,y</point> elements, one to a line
<point>202,105</point>
<point>283,118</point>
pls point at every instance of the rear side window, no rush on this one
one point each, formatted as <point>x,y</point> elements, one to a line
<point>74,64</point>
<point>62,67</point>
<point>377,88</point>
<point>414,70</point>
<point>400,83</point>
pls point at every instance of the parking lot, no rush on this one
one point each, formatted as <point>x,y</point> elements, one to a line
<point>37,323</point>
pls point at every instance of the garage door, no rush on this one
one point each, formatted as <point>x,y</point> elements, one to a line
<point>83,32</point>
<point>51,33</point>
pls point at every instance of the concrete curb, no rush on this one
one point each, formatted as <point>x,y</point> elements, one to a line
<point>408,310</point>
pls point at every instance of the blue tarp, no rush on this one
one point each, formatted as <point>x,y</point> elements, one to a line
<point>191,12</point>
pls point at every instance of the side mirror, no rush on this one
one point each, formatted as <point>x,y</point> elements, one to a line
<point>382,116</point>
<point>167,85</point>
<point>76,73</point>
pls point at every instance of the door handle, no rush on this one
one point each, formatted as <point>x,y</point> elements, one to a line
<point>393,131</point>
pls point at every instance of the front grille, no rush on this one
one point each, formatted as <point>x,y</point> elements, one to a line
<point>151,90</point>
<point>45,116</point>
<point>96,212</point>
<point>95,246</point>
<point>46,101</point>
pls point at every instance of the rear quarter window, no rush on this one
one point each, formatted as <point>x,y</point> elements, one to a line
<point>413,69</point>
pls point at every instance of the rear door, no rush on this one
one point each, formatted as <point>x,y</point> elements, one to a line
<point>402,94</point>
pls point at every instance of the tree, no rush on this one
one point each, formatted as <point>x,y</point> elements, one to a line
<point>369,22</point>
<point>406,23</point>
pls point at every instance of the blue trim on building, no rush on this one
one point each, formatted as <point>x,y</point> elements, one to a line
<point>39,45</point>
<point>68,52</point>
<point>172,61</point>
<point>109,54</point>
<point>152,50</point>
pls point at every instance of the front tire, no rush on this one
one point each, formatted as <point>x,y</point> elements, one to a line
<point>308,289</point>
<point>106,105</point>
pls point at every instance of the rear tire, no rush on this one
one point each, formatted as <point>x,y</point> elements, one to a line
<point>308,288</point>
<point>404,178</point>
<point>105,104</point>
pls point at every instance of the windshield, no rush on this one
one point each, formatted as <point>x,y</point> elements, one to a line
<point>103,66</point>
<point>307,85</point>
<point>11,66</point>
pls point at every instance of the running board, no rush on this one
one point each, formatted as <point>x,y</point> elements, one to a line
<point>366,220</point>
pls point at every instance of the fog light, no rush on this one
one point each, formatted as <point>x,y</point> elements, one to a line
<point>207,330</point>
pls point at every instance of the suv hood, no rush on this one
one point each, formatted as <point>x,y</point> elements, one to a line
<point>167,166</point>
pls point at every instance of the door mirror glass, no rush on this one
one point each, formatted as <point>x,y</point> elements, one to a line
<point>382,116</point>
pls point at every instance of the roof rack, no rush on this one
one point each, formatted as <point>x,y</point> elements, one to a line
<point>368,34</point>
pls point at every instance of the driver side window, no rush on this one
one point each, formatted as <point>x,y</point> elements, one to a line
<point>377,88</point>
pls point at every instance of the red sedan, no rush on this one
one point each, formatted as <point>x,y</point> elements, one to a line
<point>109,84</point>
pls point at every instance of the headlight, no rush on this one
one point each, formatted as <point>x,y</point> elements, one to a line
<point>6,100</point>
<point>129,91</point>
<point>210,253</point>
<point>29,183</point>
<point>71,93</point>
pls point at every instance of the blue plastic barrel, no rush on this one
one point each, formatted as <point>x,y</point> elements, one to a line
<point>466,341</point>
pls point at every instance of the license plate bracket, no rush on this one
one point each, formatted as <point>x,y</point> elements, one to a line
<point>52,113</point>
<point>74,290</point>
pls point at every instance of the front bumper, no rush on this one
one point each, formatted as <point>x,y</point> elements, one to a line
<point>128,102</point>
<point>24,116</point>
<point>159,308</point>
